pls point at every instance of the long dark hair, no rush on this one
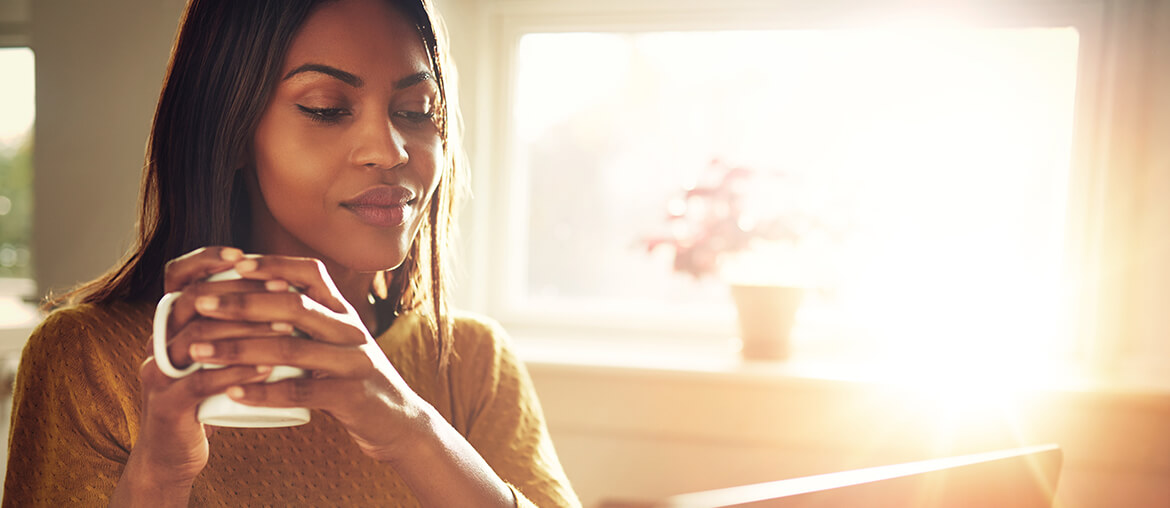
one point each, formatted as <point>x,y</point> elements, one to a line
<point>223,69</point>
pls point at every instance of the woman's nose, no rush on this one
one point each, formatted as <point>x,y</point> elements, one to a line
<point>379,145</point>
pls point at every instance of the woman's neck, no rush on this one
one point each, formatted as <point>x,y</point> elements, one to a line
<point>355,287</point>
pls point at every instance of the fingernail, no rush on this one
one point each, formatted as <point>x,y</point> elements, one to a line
<point>206,303</point>
<point>231,254</point>
<point>235,392</point>
<point>246,265</point>
<point>263,369</point>
<point>282,327</point>
<point>202,350</point>
<point>276,285</point>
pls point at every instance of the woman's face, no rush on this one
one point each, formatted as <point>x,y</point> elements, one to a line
<point>347,150</point>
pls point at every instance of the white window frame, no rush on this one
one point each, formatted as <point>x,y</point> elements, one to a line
<point>495,219</point>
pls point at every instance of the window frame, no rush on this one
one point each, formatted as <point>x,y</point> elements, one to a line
<point>494,221</point>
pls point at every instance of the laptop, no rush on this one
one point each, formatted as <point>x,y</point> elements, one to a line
<point>1014,478</point>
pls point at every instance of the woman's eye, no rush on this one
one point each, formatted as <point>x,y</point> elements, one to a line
<point>324,115</point>
<point>415,116</point>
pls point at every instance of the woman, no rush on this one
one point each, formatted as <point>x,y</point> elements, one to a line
<point>318,137</point>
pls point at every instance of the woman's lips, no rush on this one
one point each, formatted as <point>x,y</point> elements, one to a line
<point>382,206</point>
<point>380,216</point>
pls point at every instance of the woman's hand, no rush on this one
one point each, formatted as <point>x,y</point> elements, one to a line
<point>351,379</point>
<point>255,321</point>
<point>172,448</point>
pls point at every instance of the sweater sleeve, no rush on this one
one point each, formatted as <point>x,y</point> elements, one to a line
<point>70,435</point>
<point>505,421</point>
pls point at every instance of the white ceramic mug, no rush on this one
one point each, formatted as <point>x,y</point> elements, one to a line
<point>220,410</point>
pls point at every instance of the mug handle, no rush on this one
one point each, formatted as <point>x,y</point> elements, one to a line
<point>161,357</point>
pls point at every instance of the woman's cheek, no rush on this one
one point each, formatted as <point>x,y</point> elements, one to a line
<point>312,152</point>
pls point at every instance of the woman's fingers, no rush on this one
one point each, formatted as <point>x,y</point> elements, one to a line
<point>184,327</point>
<point>306,274</point>
<point>199,264</point>
<point>301,311</point>
<point>177,398</point>
<point>183,308</point>
<point>193,389</point>
<point>329,394</point>
<point>207,330</point>
<point>227,300</point>
<point>330,359</point>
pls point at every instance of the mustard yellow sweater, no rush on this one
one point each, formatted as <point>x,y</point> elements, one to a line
<point>75,418</point>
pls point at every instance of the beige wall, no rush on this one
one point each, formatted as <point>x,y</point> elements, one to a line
<point>643,433</point>
<point>99,67</point>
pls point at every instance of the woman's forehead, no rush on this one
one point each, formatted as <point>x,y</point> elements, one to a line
<point>368,38</point>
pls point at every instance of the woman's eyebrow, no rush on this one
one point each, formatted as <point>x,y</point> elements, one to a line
<point>413,79</point>
<point>341,75</point>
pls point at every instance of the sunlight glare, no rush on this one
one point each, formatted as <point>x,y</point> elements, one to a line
<point>944,151</point>
<point>16,95</point>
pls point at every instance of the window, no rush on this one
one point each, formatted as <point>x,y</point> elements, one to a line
<point>16,100</point>
<point>949,150</point>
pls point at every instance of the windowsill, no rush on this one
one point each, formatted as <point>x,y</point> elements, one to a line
<point>17,320</point>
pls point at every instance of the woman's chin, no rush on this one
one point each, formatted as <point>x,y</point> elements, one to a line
<point>373,265</point>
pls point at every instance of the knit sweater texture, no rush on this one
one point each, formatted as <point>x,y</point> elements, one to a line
<point>76,415</point>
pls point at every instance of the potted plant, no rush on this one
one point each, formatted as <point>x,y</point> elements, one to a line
<point>732,223</point>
